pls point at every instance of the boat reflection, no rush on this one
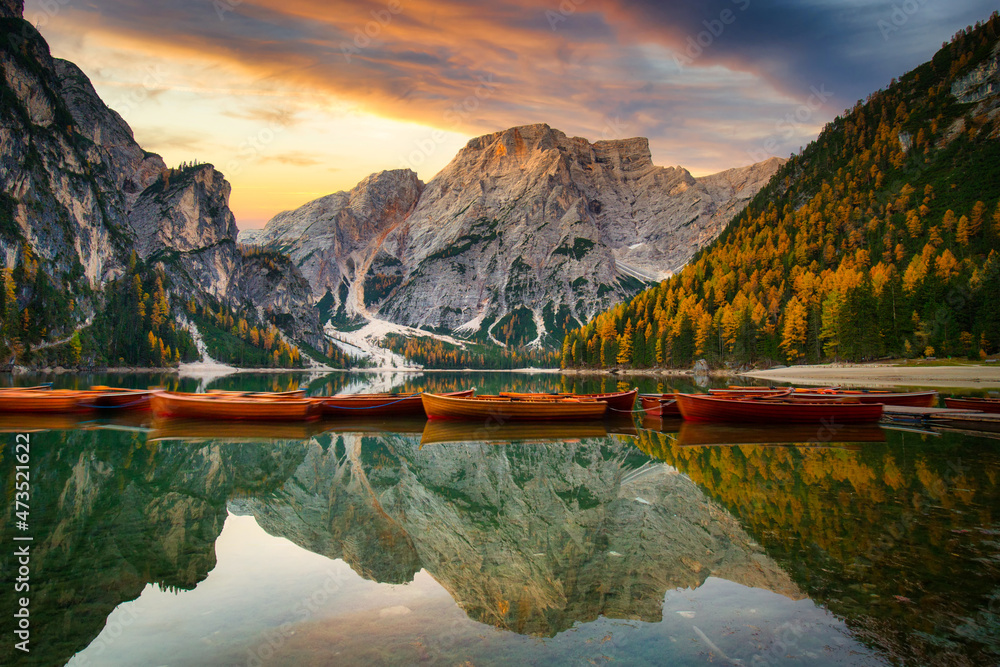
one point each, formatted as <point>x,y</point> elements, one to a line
<point>195,430</point>
<point>39,423</point>
<point>694,434</point>
<point>437,432</point>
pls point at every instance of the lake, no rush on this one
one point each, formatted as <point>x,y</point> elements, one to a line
<point>367,542</point>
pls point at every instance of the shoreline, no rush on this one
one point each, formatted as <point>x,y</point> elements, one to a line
<point>985,376</point>
<point>875,375</point>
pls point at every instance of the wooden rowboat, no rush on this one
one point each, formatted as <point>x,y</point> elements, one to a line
<point>294,393</point>
<point>372,405</point>
<point>239,408</point>
<point>660,405</point>
<point>621,401</point>
<point>55,400</point>
<point>971,403</point>
<point>755,392</point>
<point>40,387</point>
<point>917,399</point>
<point>121,399</point>
<point>702,408</point>
<point>499,409</point>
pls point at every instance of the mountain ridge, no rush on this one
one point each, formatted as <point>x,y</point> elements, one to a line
<point>525,231</point>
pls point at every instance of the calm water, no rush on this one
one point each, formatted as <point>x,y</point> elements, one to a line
<point>377,543</point>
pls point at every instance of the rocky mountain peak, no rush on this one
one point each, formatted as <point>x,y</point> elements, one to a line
<point>11,9</point>
<point>526,230</point>
<point>392,192</point>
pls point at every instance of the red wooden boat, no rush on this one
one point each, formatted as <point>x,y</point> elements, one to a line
<point>121,399</point>
<point>370,405</point>
<point>702,408</point>
<point>54,400</point>
<point>755,394</point>
<point>503,409</point>
<point>240,408</point>
<point>751,392</point>
<point>918,399</point>
<point>971,403</point>
<point>660,405</point>
<point>621,401</point>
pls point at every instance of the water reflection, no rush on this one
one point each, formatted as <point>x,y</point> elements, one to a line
<point>531,531</point>
<point>900,539</point>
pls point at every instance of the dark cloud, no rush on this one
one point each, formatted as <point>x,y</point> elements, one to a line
<point>700,78</point>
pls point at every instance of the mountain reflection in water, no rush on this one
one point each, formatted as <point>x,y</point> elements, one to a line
<point>534,533</point>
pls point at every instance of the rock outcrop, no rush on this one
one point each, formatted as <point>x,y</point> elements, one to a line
<point>79,194</point>
<point>525,218</point>
<point>335,240</point>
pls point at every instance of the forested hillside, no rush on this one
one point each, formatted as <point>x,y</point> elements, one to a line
<point>879,239</point>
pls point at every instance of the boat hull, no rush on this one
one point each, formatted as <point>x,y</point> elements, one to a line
<point>663,405</point>
<point>374,405</point>
<point>981,404</point>
<point>916,399</point>
<point>121,399</point>
<point>53,401</point>
<point>701,408</point>
<point>234,408</point>
<point>500,410</point>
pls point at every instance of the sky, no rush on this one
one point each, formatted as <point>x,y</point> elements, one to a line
<point>296,99</point>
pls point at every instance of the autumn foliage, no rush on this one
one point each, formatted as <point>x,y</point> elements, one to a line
<point>879,239</point>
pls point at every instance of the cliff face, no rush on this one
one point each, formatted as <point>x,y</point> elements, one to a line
<point>79,194</point>
<point>334,240</point>
<point>527,217</point>
<point>67,163</point>
<point>529,539</point>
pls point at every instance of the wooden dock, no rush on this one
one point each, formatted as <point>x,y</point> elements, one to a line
<point>964,420</point>
<point>975,421</point>
<point>908,413</point>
